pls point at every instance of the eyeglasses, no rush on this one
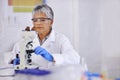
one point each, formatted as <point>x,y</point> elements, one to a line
<point>40,19</point>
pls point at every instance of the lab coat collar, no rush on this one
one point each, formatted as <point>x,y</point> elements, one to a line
<point>52,36</point>
<point>51,39</point>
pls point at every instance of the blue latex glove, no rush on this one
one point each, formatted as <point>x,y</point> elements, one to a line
<point>40,51</point>
<point>16,61</point>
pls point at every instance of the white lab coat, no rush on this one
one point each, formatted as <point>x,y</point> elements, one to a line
<point>59,46</point>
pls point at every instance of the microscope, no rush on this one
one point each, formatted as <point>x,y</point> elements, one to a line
<point>26,50</point>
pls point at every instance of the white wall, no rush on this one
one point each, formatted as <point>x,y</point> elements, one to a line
<point>12,24</point>
<point>111,36</point>
<point>90,33</point>
<point>99,35</point>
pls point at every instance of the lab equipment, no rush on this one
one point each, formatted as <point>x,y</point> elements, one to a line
<point>7,72</point>
<point>26,50</point>
<point>40,51</point>
<point>33,71</point>
<point>93,76</point>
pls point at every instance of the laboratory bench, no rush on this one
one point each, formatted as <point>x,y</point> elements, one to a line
<point>71,72</point>
<point>66,72</point>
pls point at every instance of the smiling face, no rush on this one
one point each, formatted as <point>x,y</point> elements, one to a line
<point>42,24</point>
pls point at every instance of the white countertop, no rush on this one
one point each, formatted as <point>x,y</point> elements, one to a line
<point>71,72</point>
